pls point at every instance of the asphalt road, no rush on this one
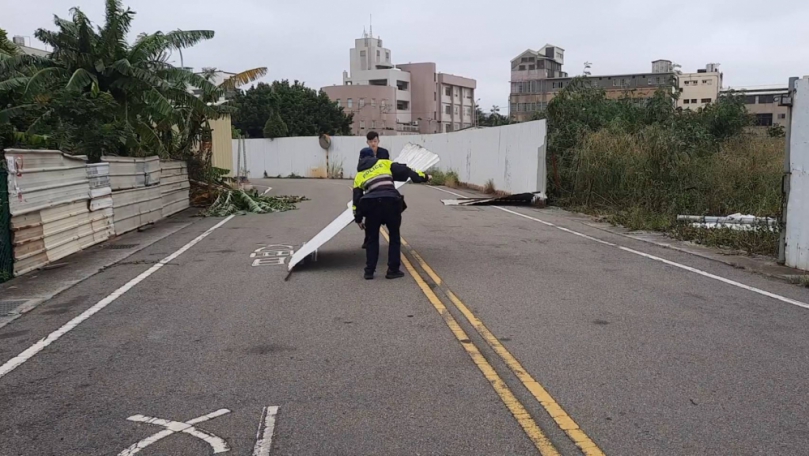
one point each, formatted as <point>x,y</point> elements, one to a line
<point>508,337</point>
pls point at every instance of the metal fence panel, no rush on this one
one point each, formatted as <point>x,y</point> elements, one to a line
<point>797,230</point>
<point>6,250</point>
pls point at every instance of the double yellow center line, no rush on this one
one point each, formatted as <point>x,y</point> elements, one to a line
<point>517,409</point>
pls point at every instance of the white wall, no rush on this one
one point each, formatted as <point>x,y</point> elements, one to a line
<point>513,155</point>
<point>797,229</point>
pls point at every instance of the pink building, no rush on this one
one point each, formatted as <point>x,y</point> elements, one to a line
<point>402,99</point>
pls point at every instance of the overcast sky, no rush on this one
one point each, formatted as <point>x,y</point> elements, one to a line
<point>756,42</point>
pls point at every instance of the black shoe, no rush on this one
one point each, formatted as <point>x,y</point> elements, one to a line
<point>394,275</point>
<point>369,275</point>
<point>365,245</point>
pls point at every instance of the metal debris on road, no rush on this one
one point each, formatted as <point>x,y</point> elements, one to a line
<point>520,199</point>
<point>412,155</point>
<point>737,222</point>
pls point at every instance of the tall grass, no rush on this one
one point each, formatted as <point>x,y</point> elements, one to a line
<point>644,180</point>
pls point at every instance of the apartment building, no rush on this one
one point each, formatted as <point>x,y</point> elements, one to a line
<point>763,102</point>
<point>533,88</point>
<point>401,99</point>
<point>699,89</point>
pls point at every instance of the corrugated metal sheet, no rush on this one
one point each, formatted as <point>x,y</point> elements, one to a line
<point>40,179</point>
<point>412,155</point>
<point>135,208</point>
<point>222,144</point>
<point>51,234</point>
<point>174,187</point>
<point>126,172</point>
<point>796,249</point>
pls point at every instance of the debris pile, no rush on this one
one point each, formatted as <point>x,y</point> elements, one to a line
<point>241,201</point>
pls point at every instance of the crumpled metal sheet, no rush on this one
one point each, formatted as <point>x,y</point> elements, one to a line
<point>520,199</point>
<point>412,155</point>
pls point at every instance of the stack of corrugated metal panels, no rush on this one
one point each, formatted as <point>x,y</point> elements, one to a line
<point>127,172</point>
<point>136,197</point>
<point>135,208</point>
<point>49,195</point>
<point>174,186</point>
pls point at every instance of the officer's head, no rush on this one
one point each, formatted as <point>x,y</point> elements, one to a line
<point>366,152</point>
<point>373,140</point>
<point>382,154</point>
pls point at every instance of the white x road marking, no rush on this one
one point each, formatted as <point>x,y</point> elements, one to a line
<point>218,444</point>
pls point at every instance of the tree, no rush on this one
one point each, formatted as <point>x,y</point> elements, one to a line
<point>304,111</point>
<point>6,46</point>
<point>275,127</point>
<point>151,96</point>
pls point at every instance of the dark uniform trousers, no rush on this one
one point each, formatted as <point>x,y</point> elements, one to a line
<point>382,211</point>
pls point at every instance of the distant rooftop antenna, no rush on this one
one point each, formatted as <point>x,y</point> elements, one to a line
<point>587,66</point>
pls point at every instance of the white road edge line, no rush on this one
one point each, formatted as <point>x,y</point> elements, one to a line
<point>29,353</point>
<point>652,257</point>
<point>264,439</point>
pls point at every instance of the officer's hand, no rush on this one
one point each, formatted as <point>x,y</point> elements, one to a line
<point>361,225</point>
<point>429,177</point>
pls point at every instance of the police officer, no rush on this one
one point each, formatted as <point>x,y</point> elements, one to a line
<point>377,203</point>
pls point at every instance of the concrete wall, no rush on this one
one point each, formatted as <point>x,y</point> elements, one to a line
<point>513,155</point>
<point>797,229</point>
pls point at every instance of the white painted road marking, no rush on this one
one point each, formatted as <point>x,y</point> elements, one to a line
<point>271,255</point>
<point>652,257</point>
<point>264,436</point>
<point>29,353</point>
<point>172,427</point>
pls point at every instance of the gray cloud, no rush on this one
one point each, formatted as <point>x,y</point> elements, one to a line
<point>755,43</point>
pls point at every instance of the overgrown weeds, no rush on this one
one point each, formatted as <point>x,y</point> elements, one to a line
<point>641,163</point>
<point>444,178</point>
<point>489,187</point>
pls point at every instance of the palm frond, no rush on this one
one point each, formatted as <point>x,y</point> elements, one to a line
<point>43,77</point>
<point>8,113</point>
<point>80,79</point>
<point>181,39</point>
<point>244,77</point>
<point>13,83</point>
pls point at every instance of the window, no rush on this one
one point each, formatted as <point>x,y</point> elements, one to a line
<point>532,67</point>
<point>524,59</point>
<point>447,128</point>
<point>362,125</point>
<point>522,67</point>
<point>338,102</point>
<point>456,110</point>
<point>530,59</point>
<point>750,99</point>
<point>373,124</point>
<point>782,116</point>
<point>350,102</point>
<point>457,92</point>
<point>651,81</point>
<point>435,96</point>
<point>383,103</point>
<point>468,94</point>
<point>362,54</point>
<point>686,101</point>
<point>362,103</point>
<point>558,84</point>
<point>467,110</point>
<point>447,109</point>
<point>373,102</point>
<point>764,120</point>
<point>448,91</point>
<point>377,55</point>
<point>402,85</point>
<point>708,81</point>
<point>693,101</point>
<point>705,100</point>
<point>402,105</point>
<point>766,99</point>
<point>513,107</point>
<point>685,83</point>
<point>387,56</point>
